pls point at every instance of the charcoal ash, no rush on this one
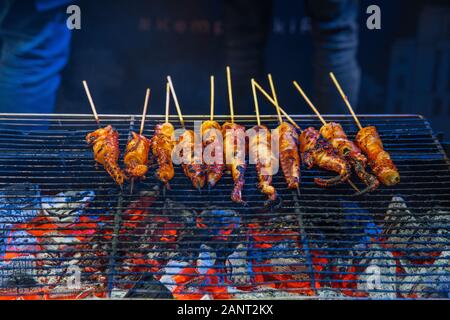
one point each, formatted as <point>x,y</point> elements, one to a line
<point>237,266</point>
<point>426,281</point>
<point>415,235</point>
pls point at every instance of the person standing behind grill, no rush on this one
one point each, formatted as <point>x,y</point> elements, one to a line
<point>34,48</point>
<point>335,39</point>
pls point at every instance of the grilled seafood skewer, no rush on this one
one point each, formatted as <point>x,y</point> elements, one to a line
<point>212,137</point>
<point>105,144</point>
<point>369,141</point>
<point>288,141</point>
<point>380,161</point>
<point>192,167</point>
<point>289,157</point>
<point>210,130</point>
<point>316,151</point>
<point>136,156</point>
<point>347,149</point>
<point>233,151</point>
<point>260,148</point>
<point>136,153</point>
<point>162,144</point>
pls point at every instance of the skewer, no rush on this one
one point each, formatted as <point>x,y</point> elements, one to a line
<point>345,98</point>
<point>268,97</point>
<point>91,102</point>
<point>167,101</point>
<point>311,105</point>
<point>212,98</point>
<point>230,94</point>
<point>280,119</point>
<point>275,98</point>
<point>177,105</point>
<point>144,112</point>
<point>255,99</point>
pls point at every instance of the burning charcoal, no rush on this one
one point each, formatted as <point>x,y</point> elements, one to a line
<point>169,272</point>
<point>218,225</point>
<point>19,209</point>
<point>237,267</point>
<point>67,207</point>
<point>379,276</point>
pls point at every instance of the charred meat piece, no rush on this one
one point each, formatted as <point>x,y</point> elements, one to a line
<point>234,151</point>
<point>162,145</point>
<point>347,149</point>
<point>316,151</point>
<point>380,161</point>
<point>136,156</point>
<point>260,149</point>
<point>105,143</point>
<point>289,157</point>
<point>192,167</point>
<point>211,139</point>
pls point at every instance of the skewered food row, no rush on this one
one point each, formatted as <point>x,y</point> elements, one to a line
<point>328,149</point>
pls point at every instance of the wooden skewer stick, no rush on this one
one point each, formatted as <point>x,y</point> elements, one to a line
<point>144,112</point>
<point>268,97</point>
<point>311,105</point>
<point>91,102</point>
<point>177,105</point>
<point>212,98</point>
<point>275,98</point>
<point>345,98</point>
<point>167,101</point>
<point>255,99</point>
<point>230,94</point>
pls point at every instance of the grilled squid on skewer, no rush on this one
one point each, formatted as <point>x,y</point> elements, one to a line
<point>209,131</point>
<point>318,152</point>
<point>260,150</point>
<point>347,149</point>
<point>380,161</point>
<point>192,167</point>
<point>289,157</point>
<point>162,145</point>
<point>236,153</point>
<point>105,144</point>
<point>136,156</point>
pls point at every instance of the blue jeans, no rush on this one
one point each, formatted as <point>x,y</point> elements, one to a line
<point>34,49</point>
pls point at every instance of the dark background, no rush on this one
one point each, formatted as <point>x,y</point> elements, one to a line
<point>123,48</point>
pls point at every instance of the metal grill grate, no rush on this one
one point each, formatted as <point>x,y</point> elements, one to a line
<point>61,221</point>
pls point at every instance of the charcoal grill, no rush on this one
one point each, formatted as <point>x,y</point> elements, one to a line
<point>179,243</point>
